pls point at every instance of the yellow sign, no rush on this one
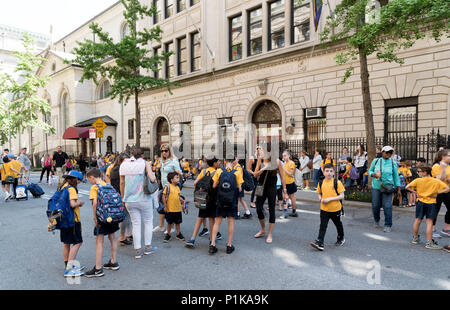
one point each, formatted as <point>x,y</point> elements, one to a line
<point>99,126</point>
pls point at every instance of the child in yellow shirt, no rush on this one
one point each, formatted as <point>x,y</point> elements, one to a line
<point>173,204</point>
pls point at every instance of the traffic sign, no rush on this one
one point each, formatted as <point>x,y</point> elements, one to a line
<point>100,134</point>
<point>92,133</point>
<point>99,126</point>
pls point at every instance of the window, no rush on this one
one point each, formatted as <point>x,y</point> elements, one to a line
<point>170,68</point>
<point>276,24</point>
<point>157,17</point>
<point>195,52</point>
<point>236,38</point>
<point>194,2</point>
<point>300,22</point>
<point>130,129</point>
<point>157,51</point>
<point>65,110</point>
<point>181,5</point>
<point>182,56</point>
<point>104,90</point>
<point>124,31</point>
<point>169,8</point>
<point>255,32</point>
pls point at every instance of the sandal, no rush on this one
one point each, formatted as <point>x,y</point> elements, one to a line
<point>269,240</point>
<point>252,205</point>
<point>259,235</point>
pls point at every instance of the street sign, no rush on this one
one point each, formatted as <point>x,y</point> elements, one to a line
<point>92,133</point>
<point>99,126</point>
<point>100,134</point>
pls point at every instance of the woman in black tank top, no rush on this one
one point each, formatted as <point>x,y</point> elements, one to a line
<point>267,174</point>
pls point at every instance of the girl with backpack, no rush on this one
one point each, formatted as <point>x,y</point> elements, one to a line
<point>47,167</point>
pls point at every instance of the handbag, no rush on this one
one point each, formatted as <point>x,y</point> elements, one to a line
<point>259,191</point>
<point>8,179</point>
<point>388,188</point>
<point>149,187</point>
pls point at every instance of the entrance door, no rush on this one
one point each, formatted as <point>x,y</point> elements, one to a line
<point>268,122</point>
<point>162,132</point>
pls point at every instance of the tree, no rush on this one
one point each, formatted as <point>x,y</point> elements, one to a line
<point>20,105</point>
<point>396,25</point>
<point>129,59</point>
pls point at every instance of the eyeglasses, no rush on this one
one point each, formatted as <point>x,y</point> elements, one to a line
<point>165,151</point>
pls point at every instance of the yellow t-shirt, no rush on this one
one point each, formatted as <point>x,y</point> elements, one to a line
<point>6,171</point>
<point>17,166</point>
<point>173,201</point>
<point>327,191</point>
<point>209,169</point>
<point>405,171</point>
<point>239,178</point>
<point>290,165</point>
<point>74,196</point>
<point>348,167</point>
<point>94,190</point>
<point>327,161</point>
<point>428,187</point>
<point>108,170</point>
<point>436,170</point>
<point>186,166</point>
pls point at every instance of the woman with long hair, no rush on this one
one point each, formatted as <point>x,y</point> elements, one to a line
<point>360,162</point>
<point>441,171</point>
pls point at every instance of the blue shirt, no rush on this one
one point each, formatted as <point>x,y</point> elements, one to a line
<point>388,176</point>
<point>171,165</point>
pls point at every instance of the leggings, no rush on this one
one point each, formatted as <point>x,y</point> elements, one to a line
<point>48,169</point>
<point>443,198</point>
<point>270,192</point>
<point>252,198</point>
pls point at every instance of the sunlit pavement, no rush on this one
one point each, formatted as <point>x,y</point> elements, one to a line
<point>31,257</point>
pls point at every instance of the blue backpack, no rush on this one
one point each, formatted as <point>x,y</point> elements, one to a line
<point>109,205</point>
<point>354,174</point>
<point>249,184</point>
<point>402,181</point>
<point>59,208</point>
<point>226,190</point>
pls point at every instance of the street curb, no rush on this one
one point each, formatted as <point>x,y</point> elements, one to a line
<point>353,204</point>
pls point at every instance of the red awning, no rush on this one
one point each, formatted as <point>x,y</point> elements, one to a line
<point>75,133</point>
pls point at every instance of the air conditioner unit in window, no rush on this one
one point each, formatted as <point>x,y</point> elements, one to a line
<point>225,122</point>
<point>314,112</point>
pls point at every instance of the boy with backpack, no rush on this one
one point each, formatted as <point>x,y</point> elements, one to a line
<point>351,173</point>
<point>205,199</point>
<point>241,195</point>
<point>228,183</point>
<point>173,204</point>
<point>404,173</point>
<point>103,226</point>
<point>331,192</point>
<point>427,188</point>
<point>70,225</point>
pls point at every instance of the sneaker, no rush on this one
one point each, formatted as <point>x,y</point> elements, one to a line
<point>219,236</point>
<point>307,188</point>
<point>293,214</point>
<point>247,216</point>
<point>436,235</point>
<point>317,245</point>
<point>80,268</point>
<point>111,266</point>
<point>180,237</point>
<point>445,232</point>
<point>7,196</point>
<point>138,254</point>
<point>150,250</point>
<point>204,232</point>
<point>283,216</point>
<point>416,240</point>
<point>166,238</point>
<point>190,243</point>
<point>212,249</point>
<point>73,273</point>
<point>340,242</point>
<point>94,273</point>
<point>158,229</point>
<point>230,249</point>
<point>237,217</point>
<point>447,248</point>
<point>432,245</point>
<point>387,229</point>
<point>125,242</point>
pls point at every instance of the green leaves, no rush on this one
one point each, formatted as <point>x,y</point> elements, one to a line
<point>20,105</point>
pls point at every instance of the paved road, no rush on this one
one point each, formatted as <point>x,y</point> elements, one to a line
<point>31,257</point>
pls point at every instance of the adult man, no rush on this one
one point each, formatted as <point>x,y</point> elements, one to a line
<point>25,161</point>
<point>59,160</point>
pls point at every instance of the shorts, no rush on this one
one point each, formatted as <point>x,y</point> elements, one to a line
<point>106,228</point>
<point>226,212</point>
<point>291,188</point>
<point>71,235</point>
<point>306,176</point>
<point>426,209</point>
<point>209,212</point>
<point>174,218</point>
<point>241,194</point>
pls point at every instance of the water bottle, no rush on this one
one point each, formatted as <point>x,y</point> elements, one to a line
<point>186,204</point>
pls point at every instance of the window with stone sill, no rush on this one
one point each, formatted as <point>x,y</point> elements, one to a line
<point>276,24</point>
<point>235,38</point>
<point>300,21</point>
<point>255,32</point>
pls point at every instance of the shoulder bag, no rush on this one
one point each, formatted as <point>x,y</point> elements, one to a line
<point>388,188</point>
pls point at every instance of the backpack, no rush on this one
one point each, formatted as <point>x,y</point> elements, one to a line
<point>59,209</point>
<point>249,184</point>
<point>48,162</point>
<point>336,190</point>
<point>114,176</point>
<point>402,181</point>
<point>227,189</point>
<point>68,164</point>
<point>354,174</point>
<point>109,205</point>
<point>203,190</point>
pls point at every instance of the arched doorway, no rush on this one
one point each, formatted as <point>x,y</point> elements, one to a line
<point>268,121</point>
<point>162,131</point>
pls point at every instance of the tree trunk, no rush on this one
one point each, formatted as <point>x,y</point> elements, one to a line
<point>367,106</point>
<point>138,118</point>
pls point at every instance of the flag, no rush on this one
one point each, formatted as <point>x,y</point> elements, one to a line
<point>317,12</point>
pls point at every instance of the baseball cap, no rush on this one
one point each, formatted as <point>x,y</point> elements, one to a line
<point>74,174</point>
<point>11,155</point>
<point>387,148</point>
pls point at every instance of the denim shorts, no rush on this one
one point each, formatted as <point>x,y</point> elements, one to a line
<point>426,209</point>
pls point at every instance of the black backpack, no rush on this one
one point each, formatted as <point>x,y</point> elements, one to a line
<point>227,189</point>
<point>204,193</point>
<point>336,190</point>
<point>115,178</point>
<point>249,184</point>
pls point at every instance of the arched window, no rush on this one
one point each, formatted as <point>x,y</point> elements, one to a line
<point>267,119</point>
<point>104,90</point>
<point>124,31</point>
